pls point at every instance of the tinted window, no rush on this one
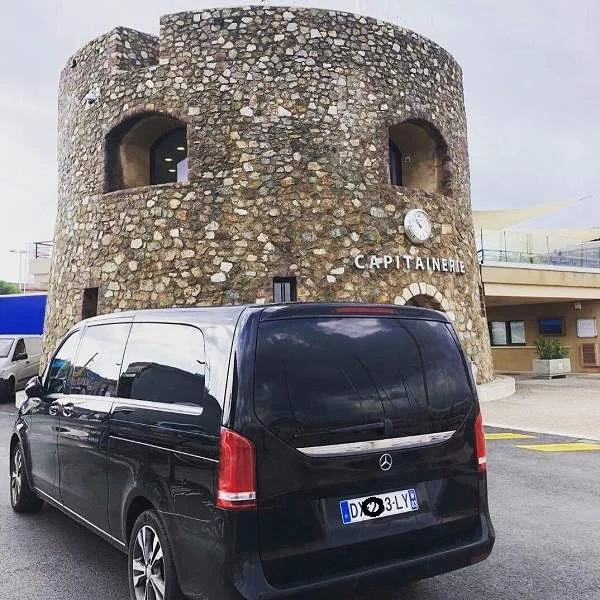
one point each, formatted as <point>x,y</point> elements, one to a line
<point>60,367</point>
<point>448,388</point>
<point>5,346</point>
<point>96,370</point>
<point>164,363</point>
<point>20,347</point>
<point>350,379</point>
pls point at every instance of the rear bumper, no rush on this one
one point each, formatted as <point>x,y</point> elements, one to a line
<point>391,574</point>
<point>245,579</point>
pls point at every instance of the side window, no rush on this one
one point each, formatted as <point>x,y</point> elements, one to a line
<point>19,348</point>
<point>164,363</point>
<point>96,369</point>
<point>60,367</point>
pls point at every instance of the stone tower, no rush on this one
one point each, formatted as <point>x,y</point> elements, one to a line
<point>305,137</point>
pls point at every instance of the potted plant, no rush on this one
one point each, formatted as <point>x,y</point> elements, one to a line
<point>553,358</point>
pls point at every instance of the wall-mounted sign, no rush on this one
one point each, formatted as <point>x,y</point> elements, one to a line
<point>586,328</point>
<point>407,262</point>
<point>417,226</point>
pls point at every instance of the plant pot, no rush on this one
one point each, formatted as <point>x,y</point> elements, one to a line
<point>557,367</point>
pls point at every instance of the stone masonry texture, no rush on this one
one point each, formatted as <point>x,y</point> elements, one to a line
<point>288,112</point>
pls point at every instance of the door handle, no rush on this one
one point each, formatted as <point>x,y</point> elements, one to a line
<point>53,410</point>
<point>67,410</point>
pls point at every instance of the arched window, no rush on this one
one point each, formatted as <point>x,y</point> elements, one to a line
<point>418,157</point>
<point>147,149</point>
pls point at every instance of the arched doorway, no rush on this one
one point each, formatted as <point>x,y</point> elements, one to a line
<point>424,301</point>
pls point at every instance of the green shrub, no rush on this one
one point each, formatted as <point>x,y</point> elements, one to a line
<point>550,349</point>
<point>8,288</point>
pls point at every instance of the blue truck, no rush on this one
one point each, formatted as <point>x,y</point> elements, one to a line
<point>22,314</point>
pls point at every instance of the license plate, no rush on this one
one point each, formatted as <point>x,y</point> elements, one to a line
<point>378,506</point>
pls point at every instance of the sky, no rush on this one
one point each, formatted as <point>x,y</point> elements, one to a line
<point>530,70</point>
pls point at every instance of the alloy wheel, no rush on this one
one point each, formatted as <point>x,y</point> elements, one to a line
<point>16,476</point>
<point>148,566</point>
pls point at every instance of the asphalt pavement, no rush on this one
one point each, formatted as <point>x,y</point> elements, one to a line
<point>545,507</point>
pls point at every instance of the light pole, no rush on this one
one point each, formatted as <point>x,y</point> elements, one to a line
<point>20,253</point>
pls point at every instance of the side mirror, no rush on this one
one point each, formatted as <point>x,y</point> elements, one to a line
<point>20,356</point>
<point>34,388</point>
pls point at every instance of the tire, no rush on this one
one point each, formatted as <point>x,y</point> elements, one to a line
<point>22,497</point>
<point>150,561</point>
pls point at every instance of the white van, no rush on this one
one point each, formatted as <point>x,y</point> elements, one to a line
<point>19,362</point>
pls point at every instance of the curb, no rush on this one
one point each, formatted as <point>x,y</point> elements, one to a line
<point>500,387</point>
<point>555,432</point>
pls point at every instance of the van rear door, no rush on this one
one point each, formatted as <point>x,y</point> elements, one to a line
<point>352,408</point>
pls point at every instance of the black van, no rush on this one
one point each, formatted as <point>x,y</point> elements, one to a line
<point>262,451</point>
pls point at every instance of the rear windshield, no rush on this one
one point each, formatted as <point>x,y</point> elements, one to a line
<point>5,346</point>
<point>338,380</point>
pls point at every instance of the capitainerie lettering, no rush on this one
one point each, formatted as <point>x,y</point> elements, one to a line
<point>450,264</point>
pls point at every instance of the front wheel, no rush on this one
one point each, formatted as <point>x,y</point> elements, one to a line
<point>152,573</point>
<point>22,497</point>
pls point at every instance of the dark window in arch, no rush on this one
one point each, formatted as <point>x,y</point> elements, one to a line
<point>147,149</point>
<point>168,158</point>
<point>395,164</point>
<point>285,289</point>
<point>418,157</point>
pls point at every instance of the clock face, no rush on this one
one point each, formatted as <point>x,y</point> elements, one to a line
<point>417,226</point>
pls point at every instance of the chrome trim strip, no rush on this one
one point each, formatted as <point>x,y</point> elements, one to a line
<point>122,439</point>
<point>182,409</point>
<point>401,443</point>
<point>67,509</point>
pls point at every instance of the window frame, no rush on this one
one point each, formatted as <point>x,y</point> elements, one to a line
<point>76,356</point>
<point>46,374</point>
<point>159,324</point>
<point>508,331</point>
<point>16,348</point>
<point>152,156</point>
<point>293,281</point>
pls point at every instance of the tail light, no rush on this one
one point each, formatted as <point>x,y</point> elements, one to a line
<point>480,451</point>
<point>236,489</point>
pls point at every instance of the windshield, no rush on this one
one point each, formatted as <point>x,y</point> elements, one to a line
<point>5,346</point>
<point>340,380</point>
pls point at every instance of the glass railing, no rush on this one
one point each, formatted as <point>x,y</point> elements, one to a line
<point>584,257</point>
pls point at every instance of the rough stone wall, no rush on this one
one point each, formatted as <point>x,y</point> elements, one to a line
<point>288,113</point>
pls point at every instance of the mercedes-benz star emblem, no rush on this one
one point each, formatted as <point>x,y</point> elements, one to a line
<point>385,462</point>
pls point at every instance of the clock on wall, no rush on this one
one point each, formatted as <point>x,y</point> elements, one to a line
<point>417,226</point>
